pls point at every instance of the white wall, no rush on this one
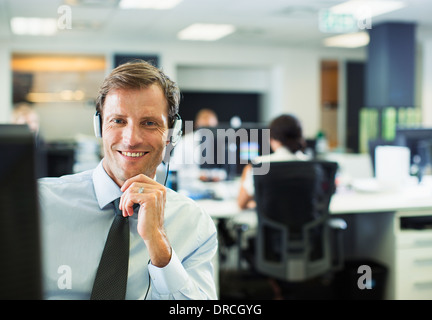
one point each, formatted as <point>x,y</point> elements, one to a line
<point>288,77</point>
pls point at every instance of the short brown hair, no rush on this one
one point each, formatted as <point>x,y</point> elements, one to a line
<point>139,74</point>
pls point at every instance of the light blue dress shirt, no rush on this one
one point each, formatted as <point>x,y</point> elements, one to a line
<point>76,214</point>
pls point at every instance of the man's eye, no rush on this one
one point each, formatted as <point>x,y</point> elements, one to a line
<point>117,121</point>
<point>149,123</point>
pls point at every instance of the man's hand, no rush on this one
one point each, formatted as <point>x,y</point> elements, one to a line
<point>151,196</point>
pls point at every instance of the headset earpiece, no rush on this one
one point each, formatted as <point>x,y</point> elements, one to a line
<point>97,125</point>
<point>176,131</point>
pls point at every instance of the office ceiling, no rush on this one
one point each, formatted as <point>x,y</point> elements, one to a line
<point>258,22</point>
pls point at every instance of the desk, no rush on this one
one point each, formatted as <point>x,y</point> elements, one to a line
<point>374,232</point>
<point>412,197</point>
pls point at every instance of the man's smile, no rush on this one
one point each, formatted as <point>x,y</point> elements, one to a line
<point>133,154</point>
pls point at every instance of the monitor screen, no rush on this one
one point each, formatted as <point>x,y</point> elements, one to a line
<point>20,264</point>
<point>217,156</point>
<point>248,150</point>
<point>419,141</point>
<point>230,149</point>
<point>255,142</point>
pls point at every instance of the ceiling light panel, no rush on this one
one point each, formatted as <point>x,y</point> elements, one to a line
<point>206,32</point>
<point>362,8</point>
<point>349,40</point>
<point>149,4</point>
<point>34,26</point>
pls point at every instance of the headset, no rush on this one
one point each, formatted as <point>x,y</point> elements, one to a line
<point>176,131</point>
<point>174,138</point>
<point>97,125</point>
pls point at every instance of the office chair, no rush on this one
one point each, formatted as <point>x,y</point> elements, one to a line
<point>296,239</point>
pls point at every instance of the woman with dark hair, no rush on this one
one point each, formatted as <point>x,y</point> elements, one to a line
<point>287,143</point>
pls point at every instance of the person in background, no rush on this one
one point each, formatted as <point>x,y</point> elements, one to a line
<point>172,240</point>
<point>186,151</point>
<point>206,118</point>
<point>23,113</point>
<point>286,142</point>
<point>186,156</point>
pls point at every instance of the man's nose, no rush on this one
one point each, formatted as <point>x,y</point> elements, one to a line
<point>132,135</point>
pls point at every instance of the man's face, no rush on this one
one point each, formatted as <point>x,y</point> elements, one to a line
<point>134,132</point>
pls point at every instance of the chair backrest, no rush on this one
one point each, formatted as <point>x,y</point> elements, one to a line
<point>293,240</point>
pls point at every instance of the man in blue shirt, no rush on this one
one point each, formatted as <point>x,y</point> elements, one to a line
<point>172,241</point>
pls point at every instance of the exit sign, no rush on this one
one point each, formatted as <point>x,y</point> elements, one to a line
<point>331,22</point>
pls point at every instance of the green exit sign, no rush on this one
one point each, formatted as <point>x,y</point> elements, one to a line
<point>331,22</point>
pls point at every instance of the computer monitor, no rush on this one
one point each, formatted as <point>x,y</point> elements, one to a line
<point>230,149</point>
<point>419,141</point>
<point>248,150</point>
<point>311,147</point>
<point>217,155</point>
<point>256,143</point>
<point>20,264</point>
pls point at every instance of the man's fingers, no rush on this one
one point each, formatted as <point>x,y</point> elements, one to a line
<point>136,193</point>
<point>139,178</point>
<point>129,200</point>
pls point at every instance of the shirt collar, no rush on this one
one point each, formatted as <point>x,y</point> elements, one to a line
<point>105,188</point>
<point>284,151</point>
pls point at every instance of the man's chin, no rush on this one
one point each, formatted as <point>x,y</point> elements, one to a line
<point>121,174</point>
<point>134,173</point>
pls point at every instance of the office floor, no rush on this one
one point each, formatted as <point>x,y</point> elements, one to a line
<point>246,285</point>
<point>238,280</point>
<point>241,282</point>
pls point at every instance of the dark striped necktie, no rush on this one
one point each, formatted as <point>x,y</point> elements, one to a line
<point>112,273</point>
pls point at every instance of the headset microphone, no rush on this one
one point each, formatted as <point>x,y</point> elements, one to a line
<point>174,140</point>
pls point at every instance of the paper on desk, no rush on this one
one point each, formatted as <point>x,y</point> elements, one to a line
<point>392,166</point>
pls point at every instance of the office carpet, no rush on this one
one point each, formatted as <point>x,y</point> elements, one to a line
<point>248,285</point>
<point>245,285</point>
